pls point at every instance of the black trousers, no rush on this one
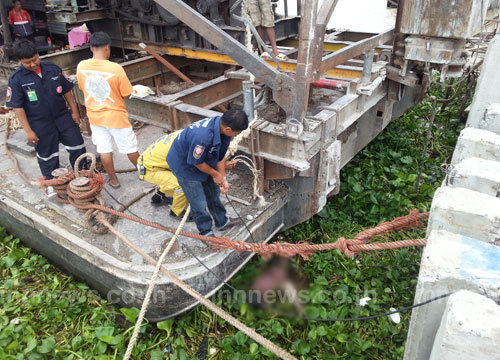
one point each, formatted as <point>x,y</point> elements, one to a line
<point>52,132</point>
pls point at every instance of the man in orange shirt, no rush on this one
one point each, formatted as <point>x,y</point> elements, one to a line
<point>105,85</point>
<point>20,21</point>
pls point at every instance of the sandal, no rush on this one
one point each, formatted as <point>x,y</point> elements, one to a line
<point>265,55</point>
<point>113,186</point>
<point>281,57</point>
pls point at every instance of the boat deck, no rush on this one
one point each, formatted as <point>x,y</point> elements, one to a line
<point>104,261</point>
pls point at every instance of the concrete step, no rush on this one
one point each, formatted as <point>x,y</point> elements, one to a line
<point>478,175</point>
<point>479,143</point>
<point>465,212</point>
<point>469,330</point>
<point>450,262</point>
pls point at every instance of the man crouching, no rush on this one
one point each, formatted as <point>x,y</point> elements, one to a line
<point>197,159</point>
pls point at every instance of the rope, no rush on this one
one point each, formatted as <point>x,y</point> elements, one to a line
<point>8,120</point>
<point>84,194</point>
<point>291,315</point>
<point>151,286</point>
<point>7,115</point>
<point>281,353</point>
<point>256,174</point>
<point>350,247</point>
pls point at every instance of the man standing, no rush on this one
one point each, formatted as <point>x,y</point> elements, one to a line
<point>105,85</point>
<point>20,20</point>
<point>37,91</point>
<point>262,15</point>
<point>197,161</point>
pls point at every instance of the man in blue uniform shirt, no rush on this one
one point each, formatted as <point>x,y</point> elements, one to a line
<point>38,92</point>
<point>197,160</point>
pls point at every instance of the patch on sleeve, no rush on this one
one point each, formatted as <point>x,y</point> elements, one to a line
<point>198,151</point>
<point>8,95</point>
<point>59,89</point>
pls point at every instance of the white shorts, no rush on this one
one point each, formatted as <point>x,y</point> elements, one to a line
<point>124,138</point>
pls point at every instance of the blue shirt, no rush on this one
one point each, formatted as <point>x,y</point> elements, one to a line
<point>201,142</point>
<point>41,97</point>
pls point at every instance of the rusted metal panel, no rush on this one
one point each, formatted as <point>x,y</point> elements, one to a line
<point>351,51</point>
<point>208,93</point>
<point>275,146</point>
<point>437,51</point>
<point>143,68</point>
<point>68,59</point>
<point>78,17</point>
<point>409,79</point>
<point>148,67</point>
<point>275,171</point>
<point>173,116</point>
<point>179,110</point>
<point>458,19</point>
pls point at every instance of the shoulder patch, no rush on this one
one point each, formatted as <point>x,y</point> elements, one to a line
<point>8,95</point>
<point>198,151</point>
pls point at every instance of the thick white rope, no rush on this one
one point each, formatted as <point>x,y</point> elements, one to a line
<point>281,353</point>
<point>255,173</point>
<point>14,121</point>
<point>152,284</point>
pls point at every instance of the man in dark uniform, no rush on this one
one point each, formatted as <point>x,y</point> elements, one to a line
<point>38,92</point>
<point>197,160</point>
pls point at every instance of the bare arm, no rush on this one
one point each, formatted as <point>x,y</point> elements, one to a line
<point>207,169</point>
<point>221,167</point>
<point>70,99</point>
<point>23,119</point>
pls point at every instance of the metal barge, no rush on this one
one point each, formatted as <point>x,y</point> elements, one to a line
<point>320,108</point>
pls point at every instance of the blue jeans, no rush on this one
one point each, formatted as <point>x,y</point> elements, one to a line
<point>203,194</point>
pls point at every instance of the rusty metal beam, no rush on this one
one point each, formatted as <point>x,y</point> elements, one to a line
<point>351,51</point>
<point>305,58</point>
<point>207,93</point>
<point>170,116</point>
<point>141,69</point>
<point>68,59</point>
<point>324,15</point>
<point>282,85</point>
<point>169,65</point>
